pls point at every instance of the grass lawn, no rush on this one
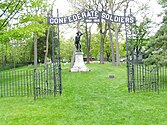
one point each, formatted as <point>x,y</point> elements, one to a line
<point>89,98</point>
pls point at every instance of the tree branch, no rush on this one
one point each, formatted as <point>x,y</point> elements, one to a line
<point>15,9</point>
<point>6,9</point>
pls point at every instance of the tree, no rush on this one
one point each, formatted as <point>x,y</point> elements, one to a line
<point>111,44</point>
<point>157,47</point>
<point>26,23</point>
<point>140,37</point>
<point>67,47</point>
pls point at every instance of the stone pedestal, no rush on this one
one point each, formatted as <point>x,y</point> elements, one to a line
<point>79,65</point>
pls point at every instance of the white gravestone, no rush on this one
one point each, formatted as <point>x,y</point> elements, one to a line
<point>79,65</point>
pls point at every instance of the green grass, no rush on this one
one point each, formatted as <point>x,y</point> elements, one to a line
<point>89,98</point>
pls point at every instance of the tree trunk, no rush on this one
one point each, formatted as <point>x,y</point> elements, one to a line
<point>111,45</point>
<point>73,58</point>
<point>35,52</point>
<point>117,46</point>
<point>47,45</point>
<point>103,35</point>
<point>88,39</point>
<point>108,55</point>
<point>90,36</point>
<point>3,57</point>
<point>102,50</point>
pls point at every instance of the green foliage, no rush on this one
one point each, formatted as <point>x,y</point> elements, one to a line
<point>29,20</point>
<point>163,2</point>
<point>157,47</point>
<point>67,48</point>
<point>94,46</point>
<point>141,37</point>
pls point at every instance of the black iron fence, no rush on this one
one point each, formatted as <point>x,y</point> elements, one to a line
<point>37,83</point>
<point>45,82</point>
<point>16,83</point>
<point>150,77</point>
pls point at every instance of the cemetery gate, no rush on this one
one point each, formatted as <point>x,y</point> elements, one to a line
<point>48,81</point>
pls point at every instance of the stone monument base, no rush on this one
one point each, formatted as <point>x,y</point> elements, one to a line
<point>79,65</point>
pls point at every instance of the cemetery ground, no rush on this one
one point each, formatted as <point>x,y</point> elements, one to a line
<point>88,98</point>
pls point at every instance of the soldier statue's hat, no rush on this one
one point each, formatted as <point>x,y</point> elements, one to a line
<point>78,32</point>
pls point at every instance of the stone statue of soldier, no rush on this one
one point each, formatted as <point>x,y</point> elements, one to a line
<point>77,41</point>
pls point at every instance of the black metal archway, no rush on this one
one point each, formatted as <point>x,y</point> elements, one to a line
<point>93,16</point>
